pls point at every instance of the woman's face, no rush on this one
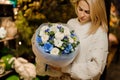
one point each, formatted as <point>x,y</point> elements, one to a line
<point>83,11</point>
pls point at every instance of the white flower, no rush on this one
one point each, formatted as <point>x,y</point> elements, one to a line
<point>44,38</point>
<point>54,51</point>
<point>66,31</point>
<point>58,43</point>
<point>59,36</point>
<point>54,29</point>
<point>41,33</point>
<point>44,28</point>
<point>70,39</point>
<point>3,32</point>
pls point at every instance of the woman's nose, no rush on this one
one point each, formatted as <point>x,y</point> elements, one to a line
<point>82,13</point>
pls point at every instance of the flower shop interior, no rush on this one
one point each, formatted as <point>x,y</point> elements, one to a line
<point>20,18</point>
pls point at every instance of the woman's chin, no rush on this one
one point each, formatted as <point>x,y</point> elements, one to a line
<point>83,21</point>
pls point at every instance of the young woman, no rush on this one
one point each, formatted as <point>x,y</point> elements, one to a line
<point>91,28</point>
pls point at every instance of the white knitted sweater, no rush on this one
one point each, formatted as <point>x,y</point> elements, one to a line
<point>93,52</point>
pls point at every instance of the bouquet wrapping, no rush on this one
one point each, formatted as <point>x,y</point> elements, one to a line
<point>55,44</point>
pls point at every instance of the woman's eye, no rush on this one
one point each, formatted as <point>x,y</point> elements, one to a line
<point>88,12</point>
<point>80,9</point>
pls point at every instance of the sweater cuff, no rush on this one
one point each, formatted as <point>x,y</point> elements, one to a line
<point>66,69</point>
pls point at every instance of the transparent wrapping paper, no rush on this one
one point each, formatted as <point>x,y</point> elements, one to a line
<point>50,59</point>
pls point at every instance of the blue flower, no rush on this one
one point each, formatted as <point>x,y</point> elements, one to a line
<point>47,30</point>
<point>59,27</point>
<point>73,34</point>
<point>65,37</point>
<point>38,39</point>
<point>47,47</point>
<point>68,49</point>
<point>51,38</point>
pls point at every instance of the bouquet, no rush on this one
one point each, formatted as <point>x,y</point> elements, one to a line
<point>55,44</point>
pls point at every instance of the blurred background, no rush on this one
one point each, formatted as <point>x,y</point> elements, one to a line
<point>20,18</point>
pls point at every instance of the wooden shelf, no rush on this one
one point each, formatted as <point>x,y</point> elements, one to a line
<point>8,38</point>
<point>6,73</point>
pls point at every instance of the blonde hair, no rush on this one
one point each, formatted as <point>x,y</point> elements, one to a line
<point>97,14</point>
